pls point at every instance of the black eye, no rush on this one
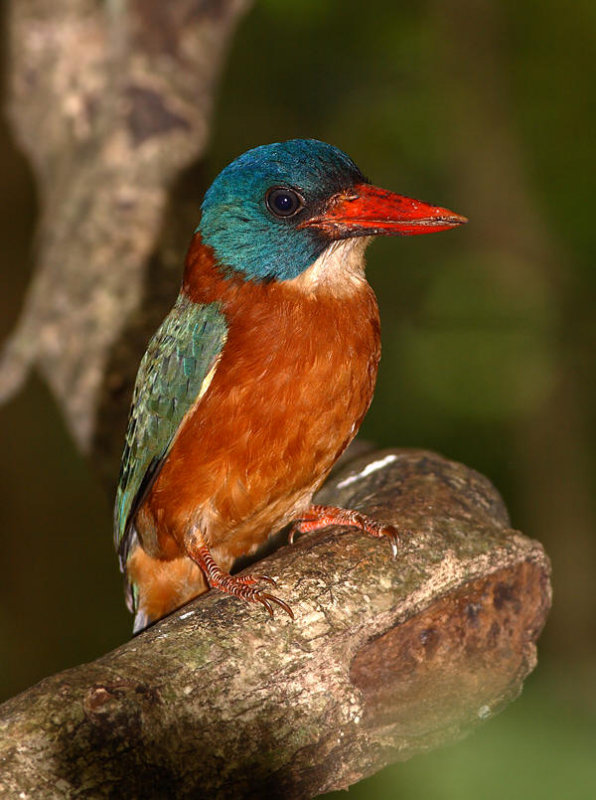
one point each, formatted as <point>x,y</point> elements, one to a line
<point>283,202</point>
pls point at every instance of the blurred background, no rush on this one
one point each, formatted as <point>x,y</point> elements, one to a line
<point>489,332</point>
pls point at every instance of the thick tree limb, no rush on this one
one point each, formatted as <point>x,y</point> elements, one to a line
<point>110,100</point>
<point>386,658</point>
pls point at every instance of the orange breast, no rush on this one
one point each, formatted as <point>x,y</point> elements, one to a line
<point>294,381</point>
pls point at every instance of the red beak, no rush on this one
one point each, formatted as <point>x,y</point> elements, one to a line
<point>366,210</point>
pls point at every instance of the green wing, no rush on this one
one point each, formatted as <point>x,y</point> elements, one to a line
<point>172,372</point>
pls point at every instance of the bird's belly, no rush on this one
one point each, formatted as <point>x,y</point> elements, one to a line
<point>288,451</point>
<point>261,440</point>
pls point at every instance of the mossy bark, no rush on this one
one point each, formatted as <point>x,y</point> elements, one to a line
<point>386,657</point>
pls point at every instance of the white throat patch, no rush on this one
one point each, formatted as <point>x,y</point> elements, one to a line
<point>339,268</point>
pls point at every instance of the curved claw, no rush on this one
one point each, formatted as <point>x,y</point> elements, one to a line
<point>393,542</point>
<point>304,525</point>
<point>241,586</point>
<point>244,588</point>
<point>263,599</point>
<point>393,535</point>
<point>267,599</point>
<point>267,579</point>
<point>389,531</point>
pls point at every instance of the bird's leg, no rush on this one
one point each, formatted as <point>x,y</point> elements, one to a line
<point>243,586</point>
<point>317,517</point>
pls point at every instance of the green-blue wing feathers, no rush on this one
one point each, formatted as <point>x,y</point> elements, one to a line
<point>172,372</point>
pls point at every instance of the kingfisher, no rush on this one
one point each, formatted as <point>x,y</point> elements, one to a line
<point>259,377</point>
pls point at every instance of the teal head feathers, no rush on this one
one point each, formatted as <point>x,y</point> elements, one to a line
<point>272,212</point>
<point>251,214</point>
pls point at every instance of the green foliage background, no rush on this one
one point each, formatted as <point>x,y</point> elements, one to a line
<point>489,334</point>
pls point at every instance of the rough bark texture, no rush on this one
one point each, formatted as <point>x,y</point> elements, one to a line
<point>110,101</point>
<point>386,658</point>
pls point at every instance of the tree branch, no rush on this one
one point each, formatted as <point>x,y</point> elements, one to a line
<point>386,658</point>
<point>110,101</point>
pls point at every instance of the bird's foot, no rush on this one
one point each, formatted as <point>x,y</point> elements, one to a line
<point>245,587</point>
<point>318,517</point>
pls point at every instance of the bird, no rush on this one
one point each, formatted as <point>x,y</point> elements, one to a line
<point>259,377</point>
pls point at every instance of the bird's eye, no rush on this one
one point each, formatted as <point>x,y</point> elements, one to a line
<point>283,202</point>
